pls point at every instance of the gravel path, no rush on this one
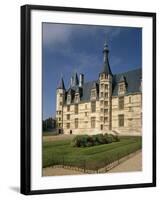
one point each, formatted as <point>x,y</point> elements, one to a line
<point>49,171</point>
<point>132,164</point>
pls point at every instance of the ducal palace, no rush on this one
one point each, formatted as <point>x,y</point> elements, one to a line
<point>110,104</point>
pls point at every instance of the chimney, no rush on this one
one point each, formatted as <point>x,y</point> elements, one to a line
<point>72,81</point>
<point>81,80</point>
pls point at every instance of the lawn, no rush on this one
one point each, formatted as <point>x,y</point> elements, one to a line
<point>62,152</point>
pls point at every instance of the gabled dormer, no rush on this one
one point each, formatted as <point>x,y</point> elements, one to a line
<point>78,94</point>
<point>69,96</point>
<point>94,91</point>
<point>122,85</point>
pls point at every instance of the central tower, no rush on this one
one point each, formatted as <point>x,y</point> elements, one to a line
<point>105,92</point>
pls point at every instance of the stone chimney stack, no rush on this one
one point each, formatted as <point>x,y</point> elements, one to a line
<point>71,81</point>
<point>81,80</point>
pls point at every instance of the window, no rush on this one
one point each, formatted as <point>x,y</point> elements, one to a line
<point>101,127</point>
<point>85,106</point>
<point>101,110</point>
<point>106,87</point>
<point>76,109</point>
<point>69,99</point>
<point>93,93</point>
<point>121,88</point>
<point>68,108</point>
<point>121,120</point>
<point>93,106</point>
<point>130,109</point>
<point>101,103</point>
<point>102,86</point>
<point>59,125</point>
<point>105,111</point>
<point>85,114</point>
<point>101,94</point>
<point>68,125</point>
<point>59,119</point>
<point>105,119</point>
<point>121,103</point>
<point>60,112</point>
<point>93,122</point>
<point>68,117</point>
<point>101,119</point>
<point>60,103</point>
<point>106,103</point>
<point>106,94</point>
<point>130,99</point>
<point>76,123</point>
<point>60,95</point>
<point>76,98</point>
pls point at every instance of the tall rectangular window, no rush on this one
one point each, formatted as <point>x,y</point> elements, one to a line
<point>93,106</point>
<point>105,119</point>
<point>68,117</point>
<point>121,103</point>
<point>68,108</point>
<point>121,120</point>
<point>106,86</point>
<point>93,122</point>
<point>105,111</point>
<point>106,103</point>
<point>76,109</point>
<point>93,94</point>
<point>68,125</point>
<point>106,94</point>
<point>76,123</point>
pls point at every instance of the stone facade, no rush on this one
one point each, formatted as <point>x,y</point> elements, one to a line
<point>111,104</point>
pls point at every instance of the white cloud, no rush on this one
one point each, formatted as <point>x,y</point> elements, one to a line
<point>62,33</point>
<point>55,33</point>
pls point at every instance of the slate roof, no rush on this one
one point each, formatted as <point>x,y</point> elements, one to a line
<point>132,79</point>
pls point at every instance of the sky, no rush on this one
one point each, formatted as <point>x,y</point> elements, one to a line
<point>70,48</point>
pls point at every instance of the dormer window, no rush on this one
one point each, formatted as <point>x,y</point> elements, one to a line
<point>68,99</point>
<point>76,98</point>
<point>122,86</point>
<point>93,94</point>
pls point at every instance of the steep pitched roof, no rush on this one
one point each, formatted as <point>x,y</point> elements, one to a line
<point>133,81</point>
<point>61,84</point>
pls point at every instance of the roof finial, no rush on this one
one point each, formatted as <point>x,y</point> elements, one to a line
<point>106,66</point>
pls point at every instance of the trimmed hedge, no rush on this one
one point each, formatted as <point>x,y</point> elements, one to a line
<point>92,140</point>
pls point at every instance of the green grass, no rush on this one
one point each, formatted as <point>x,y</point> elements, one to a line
<point>49,133</point>
<point>62,152</point>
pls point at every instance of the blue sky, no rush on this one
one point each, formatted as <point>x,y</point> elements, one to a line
<point>67,48</point>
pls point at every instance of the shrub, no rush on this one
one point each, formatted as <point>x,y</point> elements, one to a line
<point>88,141</point>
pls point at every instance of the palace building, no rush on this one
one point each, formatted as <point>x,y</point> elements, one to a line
<point>110,104</point>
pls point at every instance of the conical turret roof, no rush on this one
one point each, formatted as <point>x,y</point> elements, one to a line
<point>106,65</point>
<point>61,84</point>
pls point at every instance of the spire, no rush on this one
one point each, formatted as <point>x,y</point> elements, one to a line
<point>61,84</point>
<point>106,66</point>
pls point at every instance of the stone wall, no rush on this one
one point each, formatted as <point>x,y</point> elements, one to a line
<point>132,117</point>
